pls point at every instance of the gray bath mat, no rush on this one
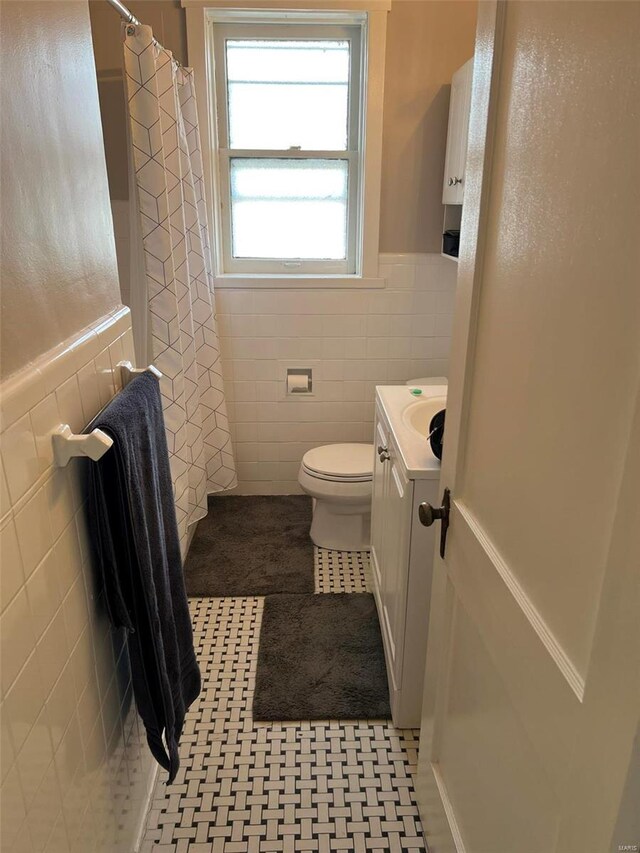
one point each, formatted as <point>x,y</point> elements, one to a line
<point>254,545</point>
<point>321,658</point>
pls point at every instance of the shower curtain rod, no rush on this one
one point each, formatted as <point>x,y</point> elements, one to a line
<point>130,18</point>
<point>122,10</point>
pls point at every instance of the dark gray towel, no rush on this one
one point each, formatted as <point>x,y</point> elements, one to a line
<point>133,521</point>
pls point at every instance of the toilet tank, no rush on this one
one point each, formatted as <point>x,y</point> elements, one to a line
<point>427,380</point>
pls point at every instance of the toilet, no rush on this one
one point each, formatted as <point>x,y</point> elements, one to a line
<point>339,479</point>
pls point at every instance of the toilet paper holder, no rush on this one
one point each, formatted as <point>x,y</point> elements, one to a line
<point>299,380</point>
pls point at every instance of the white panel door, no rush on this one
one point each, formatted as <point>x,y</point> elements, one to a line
<point>532,692</point>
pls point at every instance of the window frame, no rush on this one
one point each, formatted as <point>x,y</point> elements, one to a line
<point>200,14</point>
<point>312,29</point>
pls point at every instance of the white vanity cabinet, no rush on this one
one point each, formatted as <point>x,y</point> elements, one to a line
<point>401,560</point>
<point>457,133</point>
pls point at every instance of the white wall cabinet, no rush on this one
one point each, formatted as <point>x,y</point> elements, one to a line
<point>401,559</point>
<point>457,132</point>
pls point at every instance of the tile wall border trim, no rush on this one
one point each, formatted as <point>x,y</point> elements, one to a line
<point>22,390</point>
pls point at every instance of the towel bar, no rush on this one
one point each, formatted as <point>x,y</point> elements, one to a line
<point>128,371</point>
<point>94,444</point>
<point>66,445</point>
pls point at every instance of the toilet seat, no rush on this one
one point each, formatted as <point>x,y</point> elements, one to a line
<point>332,478</point>
<point>340,463</point>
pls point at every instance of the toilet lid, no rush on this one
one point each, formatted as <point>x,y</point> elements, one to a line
<point>341,461</point>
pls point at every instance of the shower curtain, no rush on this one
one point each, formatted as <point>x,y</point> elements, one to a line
<point>176,286</point>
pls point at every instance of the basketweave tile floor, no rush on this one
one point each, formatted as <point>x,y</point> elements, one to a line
<point>246,787</point>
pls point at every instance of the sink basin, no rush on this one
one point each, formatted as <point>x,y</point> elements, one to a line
<point>418,415</point>
<point>407,417</point>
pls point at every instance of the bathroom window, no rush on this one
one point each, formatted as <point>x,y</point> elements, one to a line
<point>289,108</point>
<point>288,123</point>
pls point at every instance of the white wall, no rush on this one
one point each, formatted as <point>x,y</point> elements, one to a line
<point>353,340</point>
<point>75,765</point>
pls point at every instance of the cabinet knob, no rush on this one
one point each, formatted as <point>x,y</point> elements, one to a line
<point>450,182</point>
<point>382,448</point>
<point>383,453</point>
<point>455,182</point>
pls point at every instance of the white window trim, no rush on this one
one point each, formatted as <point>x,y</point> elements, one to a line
<point>198,13</point>
<point>331,26</point>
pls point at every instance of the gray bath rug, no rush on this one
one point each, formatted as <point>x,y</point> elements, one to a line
<point>254,545</point>
<point>321,658</point>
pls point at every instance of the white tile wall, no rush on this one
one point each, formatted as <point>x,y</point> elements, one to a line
<point>353,340</point>
<point>75,767</point>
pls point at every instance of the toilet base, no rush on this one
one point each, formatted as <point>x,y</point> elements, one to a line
<point>341,527</point>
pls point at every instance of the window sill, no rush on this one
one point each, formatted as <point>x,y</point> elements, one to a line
<point>297,282</point>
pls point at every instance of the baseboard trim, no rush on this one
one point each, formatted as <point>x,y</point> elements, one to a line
<point>142,825</point>
<point>448,809</point>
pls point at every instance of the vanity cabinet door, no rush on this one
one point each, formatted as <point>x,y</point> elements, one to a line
<point>396,557</point>
<point>380,480</point>
<point>390,546</point>
<point>395,563</point>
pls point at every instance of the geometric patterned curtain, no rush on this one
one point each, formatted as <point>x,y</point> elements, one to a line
<point>183,340</point>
